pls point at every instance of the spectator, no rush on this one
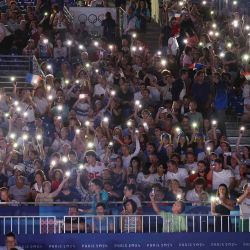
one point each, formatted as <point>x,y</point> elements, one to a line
<point>130,223</point>
<point>222,205</point>
<point>10,242</point>
<point>197,194</point>
<point>172,222</point>
<point>20,192</point>
<point>109,26</point>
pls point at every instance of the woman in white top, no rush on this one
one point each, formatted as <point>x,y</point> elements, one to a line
<point>146,177</point>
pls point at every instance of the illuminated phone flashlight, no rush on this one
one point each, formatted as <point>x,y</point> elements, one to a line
<point>67,174</point>
<point>25,137</point>
<point>15,145</point>
<point>81,166</point>
<point>247,27</point>
<point>111,144</point>
<point>211,33</point>
<point>59,107</point>
<point>97,70</point>
<point>129,123</point>
<point>137,103</point>
<point>222,55</point>
<point>96,44</point>
<point>6,115</point>
<point>18,109</point>
<point>112,93</point>
<point>214,199</point>
<point>134,48</point>
<point>90,145</point>
<point>193,172</point>
<point>140,48</point>
<point>235,23</point>
<point>45,41</point>
<point>50,97</point>
<point>229,45</point>
<point>25,114</point>
<point>16,103</point>
<point>12,136</point>
<point>39,137</point>
<point>163,62</point>
<point>82,96</point>
<point>181,3</point>
<point>80,47</point>
<point>245,57</point>
<point>214,122</point>
<point>211,12</point>
<point>87,123</point>
<point>159,53</point>
<point>78,131</point>
<point>49,67</point>
<point>66,81</point>
<point>59,117</point>
<point>69,42</point>
<point>12,78</point>
<point>242,129</point>
<point>194,125</point>
<point>65,159</point>
<point>53,163</point>
<point>178,130</point>
<point>111,46</point>
<point>46,13</point>
<point>214,25</point>
<point>235,2</point>
<point>185,41</point>
<point>145,125</point>
<point>134,35</point>
<point>140,106</point>
<point>137,131</point>
<point>209,149</point>
<point>48,87</point>
<point>178,196</point>
<point>77,81</point>
<point>201,44</point>
<point>204,2</point>
<point>105,119</point>
<point>217,34</point>
<point>87,65</point>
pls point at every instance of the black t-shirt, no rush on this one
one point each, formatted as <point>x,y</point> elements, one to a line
<point>166,31</point>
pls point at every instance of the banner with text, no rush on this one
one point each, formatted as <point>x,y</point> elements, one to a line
<point>204,241</point>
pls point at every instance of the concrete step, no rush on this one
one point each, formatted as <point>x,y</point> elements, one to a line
<point>244,140</point>
<point>235,132</point>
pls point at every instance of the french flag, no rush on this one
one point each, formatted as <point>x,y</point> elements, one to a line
<point>247,75</point>
<point>33,79</point>
<point>197,66</point>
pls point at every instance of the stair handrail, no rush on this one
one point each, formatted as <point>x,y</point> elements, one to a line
<point>67,14</point>
<point>37,68</point>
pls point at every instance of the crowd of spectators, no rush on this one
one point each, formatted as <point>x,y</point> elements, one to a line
<point>115,121</point>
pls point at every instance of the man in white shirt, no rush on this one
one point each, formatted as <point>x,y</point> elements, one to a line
<point>175,173</point>
<point>94,168</point>
<point>195,195</point>
<point>218,176</point>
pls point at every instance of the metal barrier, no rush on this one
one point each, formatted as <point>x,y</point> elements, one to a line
<point>123,224</point>
<point>67,14</point>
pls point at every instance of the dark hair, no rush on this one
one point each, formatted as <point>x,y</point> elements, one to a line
<point>183,72</point>
<point>187,50</point>
<point>131,187</point>
<point>101,204</point>
<point>97,182</point>
<point>219,161</point>
<point>133,204</point>
<point>227,195</point>
<point>200,181</point>
<point>10,234</point>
